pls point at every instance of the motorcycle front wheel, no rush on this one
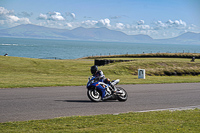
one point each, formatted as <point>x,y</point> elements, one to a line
<point>94,95</point>
<point>122,97</point>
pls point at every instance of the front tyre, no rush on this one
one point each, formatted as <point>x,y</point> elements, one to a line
<point>94,95</point>
<point>122,97</point>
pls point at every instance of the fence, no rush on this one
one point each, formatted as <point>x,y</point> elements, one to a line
<point>104,62</point>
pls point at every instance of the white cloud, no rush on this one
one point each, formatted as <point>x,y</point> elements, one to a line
<point>73,15</point>
<point>120,26</point>
<point>9,19</point>
<point>5,12</point>
<point>42,16</point>
<point>70,16</point>
<point>89,23</point>
<point>24,21</point>
<point>140,22</point>
<point>142,27</point>
<point>13,18</point>
<point>55,16</point>
<point>169,22</point>
<point>179,24</point>
<point>69,25</point>
<point>136,29</point>
<point>103,23</point>
<point>94,23</point>
<point>192,27</point>
<point>133,27</point>
<point>160,25</point>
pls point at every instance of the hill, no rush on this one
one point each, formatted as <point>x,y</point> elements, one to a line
<point>80,33</point>
<point>92,34</point>
<point>31,31</point>
<point>186,38</point>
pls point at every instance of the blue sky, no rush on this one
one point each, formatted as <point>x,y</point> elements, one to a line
<point>156,18</point>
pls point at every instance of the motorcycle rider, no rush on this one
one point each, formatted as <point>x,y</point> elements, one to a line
<point>99,76</point>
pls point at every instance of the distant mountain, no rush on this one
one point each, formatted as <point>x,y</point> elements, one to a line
<point>92,34</point>
<point>104,34</point>
<point>31,31</point>
<point>186,38</point>
<point>189,37</point>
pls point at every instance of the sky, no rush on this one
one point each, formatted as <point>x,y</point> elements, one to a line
<point>157,18</point>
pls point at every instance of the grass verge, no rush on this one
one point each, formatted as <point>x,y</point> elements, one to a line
<point>158,121</point>
<point>27,72</point>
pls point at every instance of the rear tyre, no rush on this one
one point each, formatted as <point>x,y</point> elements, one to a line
<point>122,97</point>
<point>94,95</point>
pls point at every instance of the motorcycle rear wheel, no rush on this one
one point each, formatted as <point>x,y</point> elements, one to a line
<point>94,95</point>
<point>122,97</point>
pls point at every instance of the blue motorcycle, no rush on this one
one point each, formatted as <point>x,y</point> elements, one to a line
<point>111,92</point>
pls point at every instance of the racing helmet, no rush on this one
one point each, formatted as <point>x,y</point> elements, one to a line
<point>94,69</point>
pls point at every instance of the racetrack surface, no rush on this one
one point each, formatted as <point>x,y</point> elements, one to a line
<point>22,104</point>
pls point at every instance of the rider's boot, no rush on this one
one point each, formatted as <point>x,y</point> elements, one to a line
<point>118,92</point>
<point>115,90</point>
<point>113,87</point>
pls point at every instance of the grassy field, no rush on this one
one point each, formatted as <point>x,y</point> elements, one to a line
<point>27,72</point>
<point>161,66</point>
<point>161,121</point>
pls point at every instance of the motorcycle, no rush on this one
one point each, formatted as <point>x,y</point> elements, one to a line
<point>111,92</point>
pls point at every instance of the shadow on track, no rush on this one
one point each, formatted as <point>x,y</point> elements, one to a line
<point>78,101</point>
<point>84,101</point>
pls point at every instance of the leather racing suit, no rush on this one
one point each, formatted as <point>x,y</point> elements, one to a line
<point>100,77</point>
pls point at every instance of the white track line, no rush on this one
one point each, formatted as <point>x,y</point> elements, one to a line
<point>173,109</point>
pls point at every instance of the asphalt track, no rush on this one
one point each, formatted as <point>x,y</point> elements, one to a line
<point>22,104</point>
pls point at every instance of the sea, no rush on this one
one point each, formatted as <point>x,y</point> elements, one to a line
<point>72,49</point>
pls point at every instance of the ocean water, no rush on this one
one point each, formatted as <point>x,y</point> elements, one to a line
<point>64,49</point>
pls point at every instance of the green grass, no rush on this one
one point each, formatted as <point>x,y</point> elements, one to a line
<point>158,121</point>
<point>27,72</point>
<point>157,66</point>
